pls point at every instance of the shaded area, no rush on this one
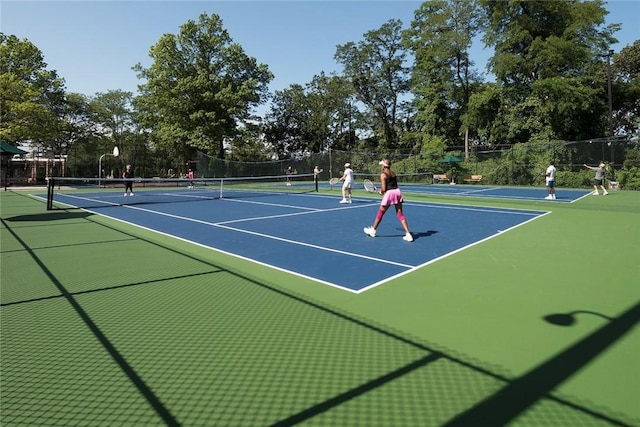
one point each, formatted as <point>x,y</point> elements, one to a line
<point>568,319</point>
<point>250,332</point>
<point>146,391</point>
<point>51,216</point>
<point>523,392</point>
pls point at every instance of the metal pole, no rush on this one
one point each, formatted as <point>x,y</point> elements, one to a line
<point>100,169</point>
<point>50,185</point>
<point>609,55</point>
<point>115,153</point>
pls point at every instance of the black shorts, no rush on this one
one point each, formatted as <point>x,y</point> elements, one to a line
<point>597,182</point>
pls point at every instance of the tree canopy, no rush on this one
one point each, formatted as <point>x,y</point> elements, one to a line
<point>403,88</point>
<point>199,87</point>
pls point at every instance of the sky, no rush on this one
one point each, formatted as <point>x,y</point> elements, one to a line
<point>94,44</point>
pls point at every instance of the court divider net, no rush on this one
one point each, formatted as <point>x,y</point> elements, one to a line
<point>102,192</point>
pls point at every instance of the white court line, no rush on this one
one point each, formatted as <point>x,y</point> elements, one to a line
<point>479,190</point>
<point>582,197</point>
<point>508,211</point>
<point>270,204</point>
<point>212,248</point>
<point>410,268</point>
<point>373,285</point>
<point>267,236</point>
<point>91,199</point>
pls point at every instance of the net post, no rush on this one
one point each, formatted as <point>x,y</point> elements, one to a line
<point>50,184</point>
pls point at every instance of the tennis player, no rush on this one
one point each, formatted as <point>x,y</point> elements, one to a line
<point>289,172</point>
<point>190,176</point>
<point>347,177</point>
<point>128,185</point>
<point>391,195</point>
<point>550,179</point>
<point>598,180</point>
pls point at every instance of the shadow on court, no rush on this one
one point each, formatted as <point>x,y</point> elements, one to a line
<point>190,342</point>
<point>51,216</point>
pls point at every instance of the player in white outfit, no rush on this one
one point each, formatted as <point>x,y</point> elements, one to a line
<point>347,177</point>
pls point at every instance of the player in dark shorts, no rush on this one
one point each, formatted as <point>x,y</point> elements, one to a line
<point>128,185</point>
<point>598,181</point>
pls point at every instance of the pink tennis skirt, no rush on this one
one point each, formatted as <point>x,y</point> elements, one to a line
<point>392,197</point>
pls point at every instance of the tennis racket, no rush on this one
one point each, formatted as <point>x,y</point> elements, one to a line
<point>368,185</point>
<point>334,181</point>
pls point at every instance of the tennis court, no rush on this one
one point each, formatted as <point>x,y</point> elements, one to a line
<point>504,311</point>
<point>304,233</point>
<point>564,195</point>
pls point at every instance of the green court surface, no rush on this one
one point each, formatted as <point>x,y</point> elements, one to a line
<point>104,323</point>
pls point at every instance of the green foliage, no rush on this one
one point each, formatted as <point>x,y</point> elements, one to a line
<point>199,86</point>
<point>443,78</point>
<point>29,94</point>
<point>629,175</point>
<point>312,118</point>
<point>632,157</point>
<point>629,179</point>
<point>543,59</point>
<point>375,67</point>
<point>581,179</point>
<point>625,71</point>
<point>551,59</point>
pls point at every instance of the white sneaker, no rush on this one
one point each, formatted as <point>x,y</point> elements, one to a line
<point>548,197</point>
<point>125,194</point>
<point>131,194</point>
<point>605,193</point>
<point>595,193</point>
<point>408,237</point>
<point>553,196</point>
<point>370,231</point>
<point>343,201</point>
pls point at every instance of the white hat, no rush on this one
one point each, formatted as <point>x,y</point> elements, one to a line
<point>347,165</point>
<point>383,163</point>
<point>601,165</point>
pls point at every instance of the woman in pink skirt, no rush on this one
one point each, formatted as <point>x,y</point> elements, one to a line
<point>391,195</point>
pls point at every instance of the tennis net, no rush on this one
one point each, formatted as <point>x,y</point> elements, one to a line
<point>100,192</point>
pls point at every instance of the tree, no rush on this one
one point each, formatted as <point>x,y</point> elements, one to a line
<point>313,118</point>
<point>199,87</point>
<point>486,114</point>
<point>535,40</point>
<point>545,62</point>
<point>29,93</point>
<point>74,128</point>
<point>443,77</point>
<point>286,121</point>
<point>625,71</point>
<point>113,113</point>
<point>377,71</point>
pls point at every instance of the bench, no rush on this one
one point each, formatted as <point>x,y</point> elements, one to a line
<point>472,178</point>
<point>440,178</point>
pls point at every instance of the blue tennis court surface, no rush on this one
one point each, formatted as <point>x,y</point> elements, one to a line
<point>563,195</point>
<point>314,236</point>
